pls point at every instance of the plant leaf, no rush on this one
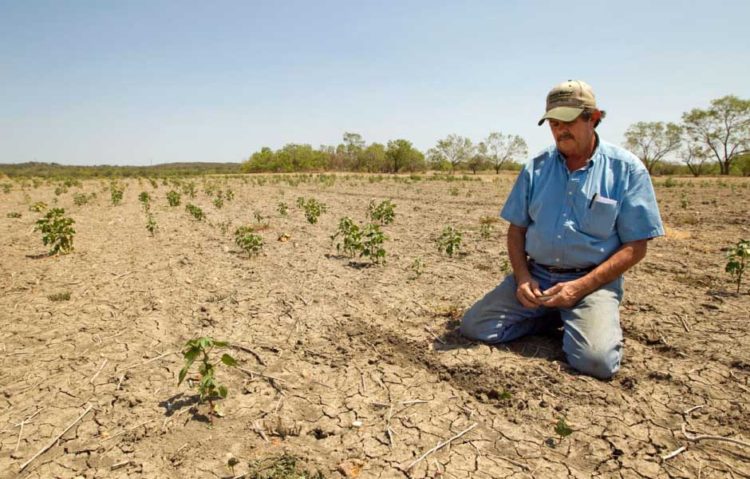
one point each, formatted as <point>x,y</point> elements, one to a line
<point>228,360</point>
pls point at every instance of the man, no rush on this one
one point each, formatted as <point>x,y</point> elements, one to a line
<point>581,214</point>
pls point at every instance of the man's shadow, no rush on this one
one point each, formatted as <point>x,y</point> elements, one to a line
<point>544,342</point>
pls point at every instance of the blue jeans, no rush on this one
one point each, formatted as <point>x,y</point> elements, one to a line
<point>592,338</point>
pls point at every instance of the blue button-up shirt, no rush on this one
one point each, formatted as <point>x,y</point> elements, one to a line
<point>579,219</point>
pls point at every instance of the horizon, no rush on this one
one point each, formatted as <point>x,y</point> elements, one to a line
<point>148,83</point>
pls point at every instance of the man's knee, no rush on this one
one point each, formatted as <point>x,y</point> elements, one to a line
<point>471,325</point>
<point>601,363</point>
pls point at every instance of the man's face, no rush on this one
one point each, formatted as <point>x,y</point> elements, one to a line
<point>575,137</point>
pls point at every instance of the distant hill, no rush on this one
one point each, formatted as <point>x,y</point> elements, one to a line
<point>52,170</point>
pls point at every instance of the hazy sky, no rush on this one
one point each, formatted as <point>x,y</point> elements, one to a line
<point>136,82</point>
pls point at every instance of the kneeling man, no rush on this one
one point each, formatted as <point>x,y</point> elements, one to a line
<point>581,214</point>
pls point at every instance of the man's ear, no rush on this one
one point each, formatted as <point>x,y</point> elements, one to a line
<point>596,116</point>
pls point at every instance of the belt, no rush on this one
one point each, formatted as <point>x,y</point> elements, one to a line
<point>555,269</point>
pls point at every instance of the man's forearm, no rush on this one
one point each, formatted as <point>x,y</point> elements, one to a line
<point>622,260</point>
<point>517,253</point>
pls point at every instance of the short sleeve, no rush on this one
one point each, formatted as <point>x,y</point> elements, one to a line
<point>516,207</point>
<point>639,217</point>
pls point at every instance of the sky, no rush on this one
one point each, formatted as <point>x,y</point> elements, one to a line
<point>142,82</point>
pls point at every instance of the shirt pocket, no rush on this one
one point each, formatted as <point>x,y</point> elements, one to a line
<point>599,220</point>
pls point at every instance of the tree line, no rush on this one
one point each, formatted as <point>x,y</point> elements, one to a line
<point>498,151</point>
<point>717,137</point>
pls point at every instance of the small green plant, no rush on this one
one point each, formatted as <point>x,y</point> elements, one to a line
<point>116,192</point>
<point>38,207</point>
<point>189,189</point>
<point>485,230</point>
<point>13,214</point>
<point>153,183</point>
<point>453,190</point>
<point>60,190</point>
<point>283,467</point>
<point>80,199</point>
<point>351,237</point>
<point>449,241</point>
<point>258,217</point>
<point>57,231</point>
<point>151,224</point>
<point>418,266</point>
<point>684,201</point>
<point>218,202</point>
<point>145,200</point>
<point>382,213</point>
<point>173,198</point>
<point>195,211</point>
<point>64,296</point>
<point>7,187</point>
<point>671,183</point>
<point>300,202</point>
<point>372,243</point>
<point>562,429</point>
<point>251,243</point>
<point>313,210</point>
<point>737,260</point>
<point>282,208</point>
<point>208,388</point>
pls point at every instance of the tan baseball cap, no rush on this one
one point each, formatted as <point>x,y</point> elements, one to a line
<point>568,99</point>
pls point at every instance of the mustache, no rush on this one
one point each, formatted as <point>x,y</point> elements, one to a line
<point>565,136</point>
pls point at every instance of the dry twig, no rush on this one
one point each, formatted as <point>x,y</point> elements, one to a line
<point>104,363</point>
<point>709,437</point>
<point>57,438</point>
<point>674,453</point>
<point>440,445</point>
<point>250,351</point>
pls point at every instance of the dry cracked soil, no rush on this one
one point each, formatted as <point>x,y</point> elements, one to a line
<point>347,369</point>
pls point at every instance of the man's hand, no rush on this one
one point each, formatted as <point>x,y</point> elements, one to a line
<point>528,293</point>
<point>562,295</point>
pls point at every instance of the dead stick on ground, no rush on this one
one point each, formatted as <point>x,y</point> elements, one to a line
<point>684,323</point>
<point>674,453</point>
<point>250,351</point>
<point>57,438</point>
<point>254,373</point>
<point>427,328</point>
<point>708,437</point>
<point>441,445</point>
<point>694,408</point>
<point>91,381</point>
<point>22,423</point>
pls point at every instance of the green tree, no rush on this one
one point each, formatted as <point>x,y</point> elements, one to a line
<point>652,141</point>
<point>262,160</point>
<point>373,158</point>
<point>402,156</point>
<point>479,160</point>
<point>353,147</point>
<point>724,129</point>
<point>454,149</point>
<point>502,150</point>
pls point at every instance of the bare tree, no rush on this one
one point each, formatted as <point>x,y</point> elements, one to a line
<point>502,150</point>
<point>724,129</point>
<point>652,141</point>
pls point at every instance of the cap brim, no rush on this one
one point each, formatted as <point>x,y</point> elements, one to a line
<point>562,113</point>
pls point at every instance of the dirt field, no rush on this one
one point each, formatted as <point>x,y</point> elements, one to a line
<point>355,370</point>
